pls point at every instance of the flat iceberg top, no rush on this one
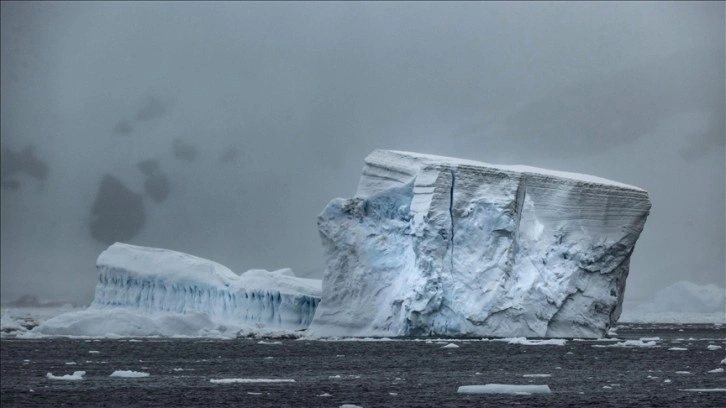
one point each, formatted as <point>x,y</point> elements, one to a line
<point>180,267</point>
<point>379,154</point>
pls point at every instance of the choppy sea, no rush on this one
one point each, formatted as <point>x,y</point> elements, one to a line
<point>659,365</point>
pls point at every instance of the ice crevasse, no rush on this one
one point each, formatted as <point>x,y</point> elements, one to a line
<point>432,245</point>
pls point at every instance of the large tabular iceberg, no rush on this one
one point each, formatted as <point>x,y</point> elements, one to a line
<point>439,246</point>
<point>149,291</point>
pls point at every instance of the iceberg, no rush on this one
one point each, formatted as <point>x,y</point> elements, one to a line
<point>432,245</point>
<point>145,291</point>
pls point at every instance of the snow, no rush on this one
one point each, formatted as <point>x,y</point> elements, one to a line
<point>630,343</point>
<point>441,246</point>
<point>157,292</point>
<point>504,389</point>
<point>76,376</point>
<point>704,389</point>
<point>680,302</point>
<point>128,374</point>
<point>251,380</point>
<point>529,342</point>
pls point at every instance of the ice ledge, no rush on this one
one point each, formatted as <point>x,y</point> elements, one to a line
<point>379,155</point>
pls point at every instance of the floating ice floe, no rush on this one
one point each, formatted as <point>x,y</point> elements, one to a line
<point>250,380</point>
<point>530,342</point>
<point>629,343</point>
<point>76,376</point>
<point>504,389</point>
<point>128,374</point>
<point>704,389</point>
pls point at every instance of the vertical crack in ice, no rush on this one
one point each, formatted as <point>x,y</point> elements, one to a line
<point>451,217</point>
<point>518,208</point>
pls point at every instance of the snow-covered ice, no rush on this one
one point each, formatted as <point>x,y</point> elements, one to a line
<point>504,389</point>
<point>145,291</point>
<point>250,380</point>
<point>532,342</point>
<point>76,376</point>
<point>129,374</point>
<point>704,389</point>
<point>439,246</point>
<point>629,343</point>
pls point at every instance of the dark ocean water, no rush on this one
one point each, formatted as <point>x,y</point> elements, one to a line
<point>367,373</point>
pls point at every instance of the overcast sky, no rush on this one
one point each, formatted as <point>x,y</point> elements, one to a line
<point>255,115</point>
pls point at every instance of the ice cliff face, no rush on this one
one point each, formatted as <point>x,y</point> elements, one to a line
<point>151,291</point>
<point>439,246</point>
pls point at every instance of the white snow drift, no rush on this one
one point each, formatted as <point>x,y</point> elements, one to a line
<point>439,246</point>
<point>504,389</point>
<point>149,291</point>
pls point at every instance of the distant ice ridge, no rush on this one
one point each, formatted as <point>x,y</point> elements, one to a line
<point>681,302</point>
<point>433,245</point>
<point>149,291</point>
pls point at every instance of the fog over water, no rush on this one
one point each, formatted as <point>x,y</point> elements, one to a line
<point>223,129</point>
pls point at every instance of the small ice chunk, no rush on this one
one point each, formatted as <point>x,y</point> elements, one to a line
<point>325,394</point>
<point>528,342</point>
<point>269,342</point>
<point>666,380</point>
<point>678,349</point>
<point>76,376</point>
<point>128,374</point>
<point>504,389</point>
<point>537,375</point>
<point>254,393</point>
<point>723,361</point>
<point>335,377</point>
<point>683,372</point>
<point>716,371</point>
<point>350,406</point>
<point>630,343</point>
<point>704,389</point>
<point>94,352</point>
<point>450,346</point>
<point>71,363</point>
<point>607,387</point>
<point>713,347</point>
<point>393,393</point>
<point>251,380</point>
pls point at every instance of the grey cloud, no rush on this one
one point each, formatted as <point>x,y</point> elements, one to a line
<point>257,114</point>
